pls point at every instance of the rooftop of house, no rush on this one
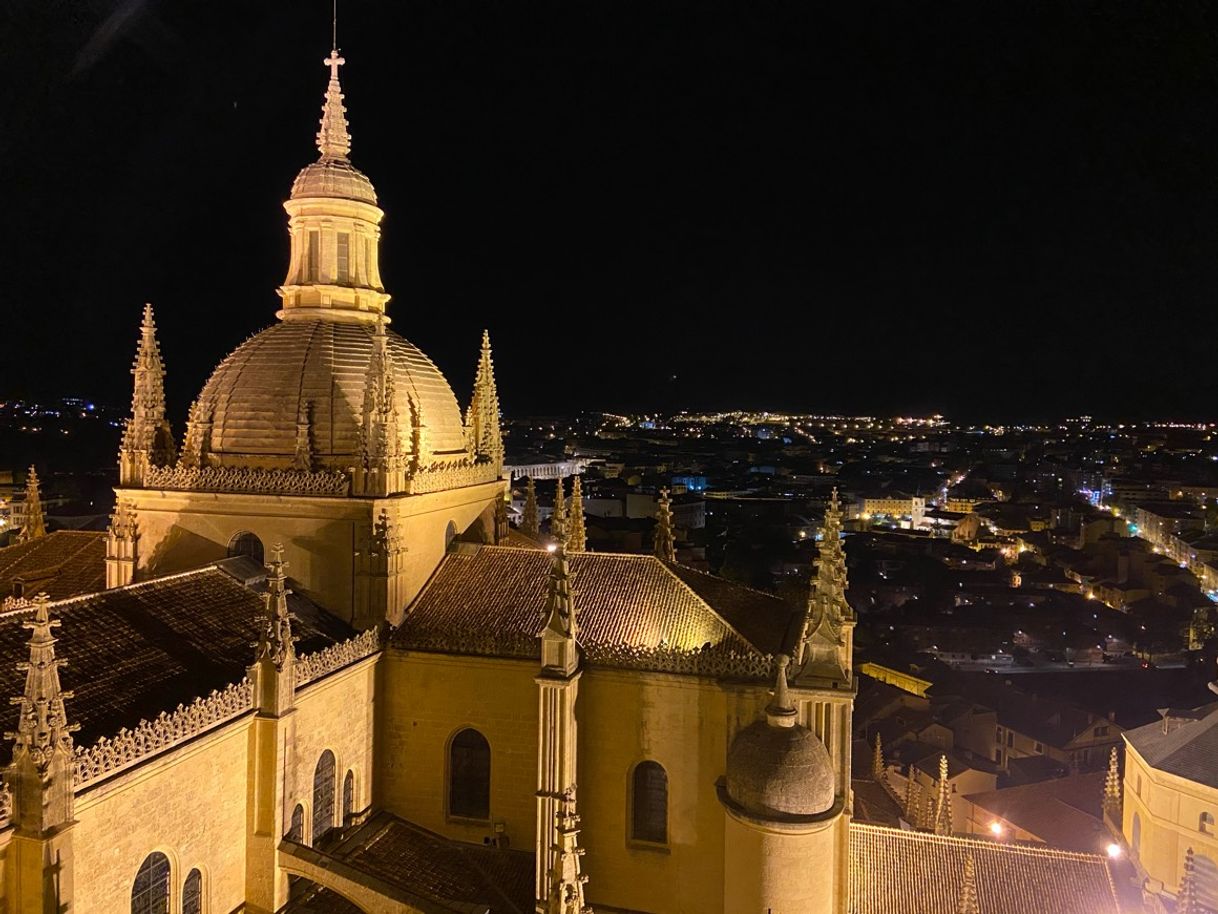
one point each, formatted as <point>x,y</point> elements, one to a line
<point>1062,812</point>
<point>1183,743</point>
<point>61,564</point>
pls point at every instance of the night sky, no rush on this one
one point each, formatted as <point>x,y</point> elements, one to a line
<point>988,209</point>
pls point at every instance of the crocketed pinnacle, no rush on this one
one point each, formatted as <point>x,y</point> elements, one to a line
<point>566,890</point>
<point>663,543</point>
<point>275,641</point>
<point>333,139</point>
<point>558,520</point>
<point>381,432</point>
<point>968,903</point>
<point>482,418</point>
<point>1186,897</point>
<point>1112,784</point>
<point>877,759</point>
<point>35,522</point>
<point>943,800</point>
<point>147,432</point>
<point>560,600</point>
<point>40,773</point>
<point>827,609</point>
<point>577,533</point>
<point>530,523</point>
<point>780,712</point>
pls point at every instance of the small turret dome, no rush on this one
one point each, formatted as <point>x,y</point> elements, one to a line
<point>776,767</point>
<point>333,178</point>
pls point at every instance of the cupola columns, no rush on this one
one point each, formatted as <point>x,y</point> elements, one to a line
<point>334,224</point>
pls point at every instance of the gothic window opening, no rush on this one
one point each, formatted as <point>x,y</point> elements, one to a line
<point>348,796</point>
<point>323,796</point>
<point>192,893</point>
<point>150,892</point>
<point>296,831</point>
<point>469,776</point>
<point>246,543</point>
<point>344,257</point>
<point>313,257</point>
<point>649,801</point>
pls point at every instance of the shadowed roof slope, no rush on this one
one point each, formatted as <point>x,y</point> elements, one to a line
<point>135,651</point>
<point>903,872</point>
<point>60,564</point>
<point>1188,748</point>
<point>490,601</point>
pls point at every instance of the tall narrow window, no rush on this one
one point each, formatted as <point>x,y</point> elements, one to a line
<point>192,893</point>
<point>150,893</point>
<point>323,796</point>
<point>366,269</point>
<point>313,256</point>
<point>296,831</point>
<point>469,776</point>
<point>649,801</point>
<point>348,796</point>
<point>344,257</point>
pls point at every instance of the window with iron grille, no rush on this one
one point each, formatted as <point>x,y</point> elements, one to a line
<point>192,893</point>
<point>150,893</point>
<point>323,796</point>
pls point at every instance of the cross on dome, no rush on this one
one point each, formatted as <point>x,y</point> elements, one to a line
<point>334,62</point>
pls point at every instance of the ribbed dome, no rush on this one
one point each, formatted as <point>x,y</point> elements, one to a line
<point>257,393</point>
<point>333,178</point>
<point>779,771</point>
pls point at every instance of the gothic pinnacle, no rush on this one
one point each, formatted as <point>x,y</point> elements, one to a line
<point>35,523</point>
<point>485,440</point>
<point>333,139</point>
<point>968,903</point>
<point>529,522</point>
<point>577,533</point>
<point>558,520</point>
<point>663,544</point>
<point>275,641</point>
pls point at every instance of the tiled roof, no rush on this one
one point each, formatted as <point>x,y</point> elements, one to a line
<point>1062,812</point>
<point>905,872</point>
<point>60,564</point>
<point>320,901</point>
<point>135,651</point>
<point>874,804</point>
<point>490,601</point>
<point>427,865</point>
<point>1188,748</point>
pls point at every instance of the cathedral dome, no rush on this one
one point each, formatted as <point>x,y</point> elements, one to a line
<point>333,178</point>
<point>318,369</point>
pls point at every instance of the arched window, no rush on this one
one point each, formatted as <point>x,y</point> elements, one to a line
<point>323,796</point>
<point>150,893</point>
<point>469,776</point>
<point>192,893</point>
<point>296,832</point>
<point>1137,833</point>
<point>246,544</point>
<point>649,803</point>
<point>450,534</point>
<point>348,796</point>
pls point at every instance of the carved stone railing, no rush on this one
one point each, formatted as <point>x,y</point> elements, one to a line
<point>248,479</point>
<point>450,474</point>
<point>167,730</point>
<point>336,656</point>
<point>712,661</point>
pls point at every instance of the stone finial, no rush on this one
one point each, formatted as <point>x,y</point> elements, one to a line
<point>823,641</point>
<point>530,523</point>
<point>1186,897</point>
<point>558,520</point>
<point>968,903</point>
<point>383,457</point>
<point>1112,786</point>
<point>943,800</point>
<point>559,653</point>
<point>303,458</point>
<point>780,712</point>
<point>147,438</point>
<point>35,522</point>
<point>40,772</point>
<point>276,642</point>
<point>334,139</point>
<point>482,432</point>
<point>911,797</point>
<point>663,542</point>
<point>877,760</point>
<point>197,443</point>
<point>566,882</point>
<point>577,532</point>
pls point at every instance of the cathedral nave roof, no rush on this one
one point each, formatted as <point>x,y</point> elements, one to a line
<point>135,651</point>
<point>61,564</point>
<point>631,609</point>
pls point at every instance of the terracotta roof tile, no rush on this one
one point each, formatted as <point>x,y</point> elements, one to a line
<point>904,872</point>
<point>135,651</point>
<point>495,596</point>
<point>61,564</point>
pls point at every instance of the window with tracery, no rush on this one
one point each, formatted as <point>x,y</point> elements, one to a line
<point>649,803</point>
<point>323,795</point>
<point>192,893</point>
<point>469,776</point>
<point>348,796</point>
<point>296,831</point>
<point>150,892</point>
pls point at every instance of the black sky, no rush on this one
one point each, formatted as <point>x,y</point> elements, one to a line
<point>988,209</point>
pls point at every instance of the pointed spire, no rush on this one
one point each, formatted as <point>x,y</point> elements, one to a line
<point>577,533</point>
<point>303,458</point>
<point>40,773</point>
<point>559,654</point>
<point>1112,786</point>
<point>780,712</point>
<point>968,903</point>
<point>35,523</point>
<point>529,523</point>
<point>275,641</point>
<point>147,438</point>
<point>384,461</point>
<point>824,641</point>
<point>482,418</point>
<point>1186,897</point>
<point>333,139</point>
<point>877,760</point>
<point>662,543</point>
<point>558,520</point>
<point>943,800</point>
<point>566,890</point>
<point>911,796</point>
